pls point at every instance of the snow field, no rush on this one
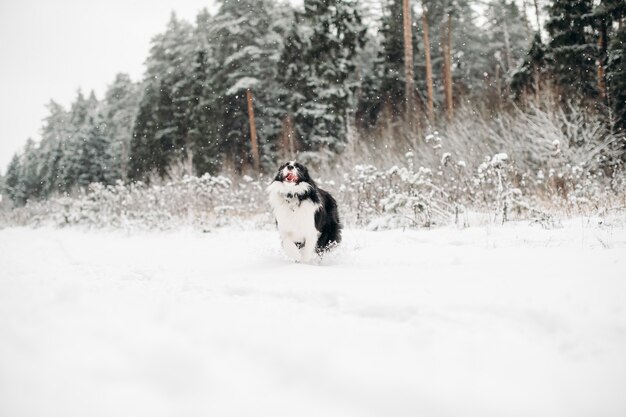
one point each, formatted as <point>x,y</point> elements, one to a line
<point>510,320</point>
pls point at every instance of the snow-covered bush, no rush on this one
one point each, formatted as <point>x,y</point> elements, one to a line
<point>530,163</point>
<point>400,196</point>
<point>204,202</point>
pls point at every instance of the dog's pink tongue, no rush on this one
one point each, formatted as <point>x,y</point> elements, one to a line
<point>291,177</point>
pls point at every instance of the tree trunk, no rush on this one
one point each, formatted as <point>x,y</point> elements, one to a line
<point>253,140</point>
<point>507,49</point>
<point>536,75</point>
<point>188,161</point>
<point>124,158</point>
<point>447,65</point>
<point>289,148</point>
<point>602,47</point>
<point>509,61</point>
<point>408,60</point>
<point>429,68</point>
<point>529,32</point>
<point>537,15</point>
<point>498,83</point>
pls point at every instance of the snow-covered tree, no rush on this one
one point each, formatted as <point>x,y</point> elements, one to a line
<point>469,55</point>
<point>160,135</point>
<point>248,38</point>
<point>203,122</point>
<point>616,76</point>
<point>96,161</point>
<point>54,133</point>
<point>370,105</point>
<point>528,76</point>
<point>469,58</point>
<point>29,179</point>
<point>119,111</point>
<point>14,183</point>
<point>602,22</point>
<point>336,34</point>
<point>294,76</point>
<point>390,60</point>
<point>572,49</point>
<point>609,18</point>
<point>507,42</point>
<point>73,144</point>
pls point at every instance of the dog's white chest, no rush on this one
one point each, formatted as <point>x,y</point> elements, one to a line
<point>293,203</point>
<point>295,218</point>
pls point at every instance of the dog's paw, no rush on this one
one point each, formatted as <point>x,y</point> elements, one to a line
<point>309,257</point>
<point>292,251</point>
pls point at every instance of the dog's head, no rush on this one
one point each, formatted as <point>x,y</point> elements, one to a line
<point>292,178</point>
<point>293,172</point>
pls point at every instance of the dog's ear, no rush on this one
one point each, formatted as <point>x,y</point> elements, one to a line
<point>279,174</point>
<point>304,172</point>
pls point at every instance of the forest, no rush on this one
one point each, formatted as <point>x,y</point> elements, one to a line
<point>413,111</point>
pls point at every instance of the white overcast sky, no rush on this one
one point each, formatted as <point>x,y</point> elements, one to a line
<point>49,49</point>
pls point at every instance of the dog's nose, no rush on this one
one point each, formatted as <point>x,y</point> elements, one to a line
<point>289,167</point>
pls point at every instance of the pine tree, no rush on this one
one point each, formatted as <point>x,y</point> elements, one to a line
<point>270,120</point>
<point>369,105</point>
<point>14,183</point>
<point>409,72</point>
<point>572,50</point>
<point>616,77</point>
<point>469,59</point>
<point>30,182</point>
<point>507,42</point>
<point>145,152</point>
<point>294,75</point>
<point>528,76</point>
<point>609,18</point>
<point>248,44</point>
<point>95,153</point>
<point>446,51</point>
<point>369,101</point>
<point>161,131</point>
<point>72,144</point>
<point>53,136</point>
<point>428,63</point>
<point>336,34</point>
<point>3,192</point>
<point>119,112</point>
<point>204,123</point>
<point>390,59</point>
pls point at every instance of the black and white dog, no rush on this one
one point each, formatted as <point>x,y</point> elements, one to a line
<point>306,215</point>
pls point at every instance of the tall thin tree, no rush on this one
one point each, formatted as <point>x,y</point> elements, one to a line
<point>538,16</point>
<point>254,146</point>
<point>429,67</point>
<point>447,63</point>
<point>408,60</point>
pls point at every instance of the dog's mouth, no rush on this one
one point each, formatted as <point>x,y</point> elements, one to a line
<point>291,177</point>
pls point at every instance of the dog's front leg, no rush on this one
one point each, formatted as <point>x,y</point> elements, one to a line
<point>291,250</point>
<point>308,250</point>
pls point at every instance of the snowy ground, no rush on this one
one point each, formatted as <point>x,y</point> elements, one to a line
<point>486,321</point>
